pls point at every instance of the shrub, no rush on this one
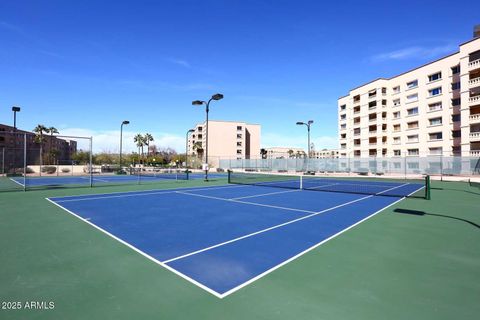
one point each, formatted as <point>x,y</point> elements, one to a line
<point>65,170</point>
<point>49,169</point>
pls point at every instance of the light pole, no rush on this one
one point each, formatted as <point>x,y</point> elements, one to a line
<point>186,147</point>
<point>15,110</point>
<point>217,96</point>
<point>308,124</point>
<point>125,122</point>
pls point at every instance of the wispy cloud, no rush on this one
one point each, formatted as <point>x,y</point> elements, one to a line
<point>160,85</point>
<point>179,62</point>
<point>108,140</point>
<point>283,101</point>
<point>414,52</point>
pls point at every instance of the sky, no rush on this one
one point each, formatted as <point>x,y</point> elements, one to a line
<point>85,66</point>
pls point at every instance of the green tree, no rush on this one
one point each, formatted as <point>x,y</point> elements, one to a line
<point>290,153</point>
<point>52,152</point>
<point>140,143</point>
<point>39,130</point>
<point>147,138</point>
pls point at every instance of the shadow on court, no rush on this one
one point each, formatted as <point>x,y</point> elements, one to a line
<point>423,213</point>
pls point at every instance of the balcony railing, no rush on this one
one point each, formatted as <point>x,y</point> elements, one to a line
<point>475,153</point>
<point>475,136</point>
<point>474,82</point>
<point>475,117</point>
<point>474,99</point>
<point>474,64</point>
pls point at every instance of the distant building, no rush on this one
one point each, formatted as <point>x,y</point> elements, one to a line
<point>227,140</point>
<point>325,153</point>
<point>284,152</point>
<point>12,149</point>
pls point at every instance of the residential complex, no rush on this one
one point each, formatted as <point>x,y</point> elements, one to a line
<point>227,140</point>
<point>12,148</point>
<point>325,153</point>
<point>284,152</point>
<point>431,110</point>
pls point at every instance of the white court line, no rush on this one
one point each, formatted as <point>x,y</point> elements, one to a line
<point>244,202</point>
<point>140,252</point>
<point>266,194</point>
<point>94,179</point>
<point>17,182</point>
<point>139,193</point>
<point>272,227</point>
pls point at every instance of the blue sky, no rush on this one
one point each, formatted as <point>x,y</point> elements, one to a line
<point>85,66</point>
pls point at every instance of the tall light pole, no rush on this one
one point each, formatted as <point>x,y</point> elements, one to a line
<point>15,110</point>
<point>186,147</point>
<point>217,96</point>
<point>125,122</point>
<point>308,124</point>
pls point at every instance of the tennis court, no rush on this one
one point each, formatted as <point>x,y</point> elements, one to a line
<point>222,238</point>
<point>52,181</point>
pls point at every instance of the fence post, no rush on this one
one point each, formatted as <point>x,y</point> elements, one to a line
<point>405,165</point>
<point>24,162</point>
<point>91,164</point>
<point>441,166</point>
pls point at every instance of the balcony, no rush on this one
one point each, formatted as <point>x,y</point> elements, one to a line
<point>475,136</point>
<point>474,82</point>
<point>474,64</point>
<point>475,153</point>
<point>475,118</point>
<point>474,99</point>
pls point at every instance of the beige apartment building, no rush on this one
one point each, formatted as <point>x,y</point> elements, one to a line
<point>431,110</point>
<point>325,153</point>
<point>227,140</point>
<point>284,152</point>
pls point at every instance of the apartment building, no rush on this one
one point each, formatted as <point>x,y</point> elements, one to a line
<point>227,140</point>
<point>431,110</point>
<point>12,148</point>
<point>325,153</point>
<point>284,152</point>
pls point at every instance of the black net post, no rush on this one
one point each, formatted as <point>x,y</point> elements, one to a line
<point>427,187</point>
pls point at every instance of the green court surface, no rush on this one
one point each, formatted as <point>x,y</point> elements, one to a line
<point>417,259</point>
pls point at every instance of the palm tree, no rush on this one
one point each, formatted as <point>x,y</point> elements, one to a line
<point>147,139</point>
<point>52,152</point>
<point>40,130</point>
<point>140,142</point>
<point>290,153</point>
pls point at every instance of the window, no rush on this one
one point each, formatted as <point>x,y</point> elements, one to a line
<point>412,111</point>
<point>455,117</point>
<point>372,93</point>
<point>413,165</point>
<point>412,125</point>
<point>412,138</point>
<point>199,129</point>
<point>456,133</point>
<point>372,105</point>
<point>342,126</point>
<point>436,150</point>
<point>384,102</point>
<point>397,165</point>
<point>435,76</point>
<point>356,98</point>
<point>200,136</point>
<point>396,102</point>
<point>396,127</point>
<point>412,98</point>
<point>356,142</point>
<point>456,85</point>
<point>384,90</point>
<point>396,115</point>
<point>239,128</point>
<point>342,117</point>
<point>239,136</point>
<point>356,120</point>
<point>435,121</point>
<point>435,91</point>
<point>413,152</point>
<point>342,108</point>
<point>343,146</point>
<point>356,131</point>
<point>356,109</point>
<point>397,153</point>
<point>456,102</point>
<point>435,106</point>
<point>456,69</point>
<point>343,136</point>
<point>412,84</point>
<point>372,117</point>
<point>239,151</point>
<point>435,136</point>
<point>239,144</point>
<point>396,89</point>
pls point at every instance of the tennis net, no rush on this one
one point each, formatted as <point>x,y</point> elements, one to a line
<point>418,188</point>
<point>174,174</point>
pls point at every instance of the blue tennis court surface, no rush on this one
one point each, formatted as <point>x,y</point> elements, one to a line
<point>223,238</point>
<point>100,179</point>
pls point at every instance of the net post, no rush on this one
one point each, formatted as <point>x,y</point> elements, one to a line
<point>229,175</point>
<point>91,163</point>
<point>427,187</point>
<point>24,162</point>
<point>301,182</point>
